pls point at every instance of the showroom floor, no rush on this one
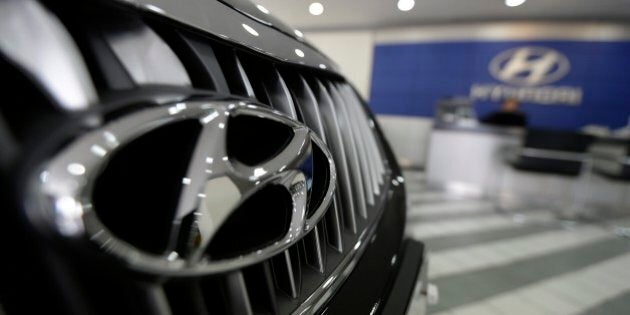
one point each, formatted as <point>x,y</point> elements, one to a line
<point>484,262</point>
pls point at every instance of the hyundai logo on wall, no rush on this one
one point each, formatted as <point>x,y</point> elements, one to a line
<point>529,66</point>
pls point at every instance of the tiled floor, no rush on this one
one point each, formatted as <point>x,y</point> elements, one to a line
<point>484,262</point>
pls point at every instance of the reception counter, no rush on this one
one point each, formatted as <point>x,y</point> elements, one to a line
<point>466,158</point>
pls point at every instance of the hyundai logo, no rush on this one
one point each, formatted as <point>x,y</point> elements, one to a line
<point>530,66</point>
<point>213,188</point>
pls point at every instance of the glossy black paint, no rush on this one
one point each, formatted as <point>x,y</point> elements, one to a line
<point>254,11</point>
<point>221,20</point>
<point>368,286</point>
<point>411,260</point>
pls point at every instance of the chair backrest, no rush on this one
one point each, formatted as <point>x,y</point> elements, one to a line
<point>557,140</point>
<point>553,141</point>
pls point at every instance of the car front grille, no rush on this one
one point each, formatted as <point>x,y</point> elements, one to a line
<point>133,56</point>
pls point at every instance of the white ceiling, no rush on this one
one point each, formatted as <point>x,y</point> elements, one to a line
<point>355,14</point>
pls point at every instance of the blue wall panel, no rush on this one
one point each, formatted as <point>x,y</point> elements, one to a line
<point>408,79</point>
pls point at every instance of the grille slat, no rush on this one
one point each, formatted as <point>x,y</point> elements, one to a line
<point>364,135</point>
<point>287,272</point>
<point>158,301</point>
<point>310,108</point>
<point>249,90</point>
<point>378,153</point>
<point>344,191</point>
<point>237,296</point>
<point>203,68</point>
<point>232,69</point>
<point>367,135</point>
<point>315,249</point>
<point>313,116</point>
<point>281,99</point>
<point>333,226</point>
<point>41,45</point>
<point>214,291</point>
<point>109,72</point>
<point>264,82</point>
<point>261,288</point>
<point>371,128</point>
<point>360,143</point>
<point>351,148</point>
<point>186,297</point>
<point>145,55</point>
<point>372,142</point>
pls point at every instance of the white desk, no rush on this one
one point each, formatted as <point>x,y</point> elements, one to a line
<point>467,159</point>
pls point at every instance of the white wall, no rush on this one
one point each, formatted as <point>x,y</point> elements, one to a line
<point>496,31</point>
<point>352,51</point>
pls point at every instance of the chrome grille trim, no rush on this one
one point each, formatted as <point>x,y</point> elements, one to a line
<point>244,79</point>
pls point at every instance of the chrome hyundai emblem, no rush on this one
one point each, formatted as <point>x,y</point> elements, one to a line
<point>212,190</point>
<point>530,66</point>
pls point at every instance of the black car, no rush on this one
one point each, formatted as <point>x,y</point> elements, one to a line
<point>190,157</point>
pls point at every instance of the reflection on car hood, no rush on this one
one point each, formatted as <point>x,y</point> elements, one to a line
<point>240,22</point>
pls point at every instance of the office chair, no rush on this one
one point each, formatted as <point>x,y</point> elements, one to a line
<point>554,154</point>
